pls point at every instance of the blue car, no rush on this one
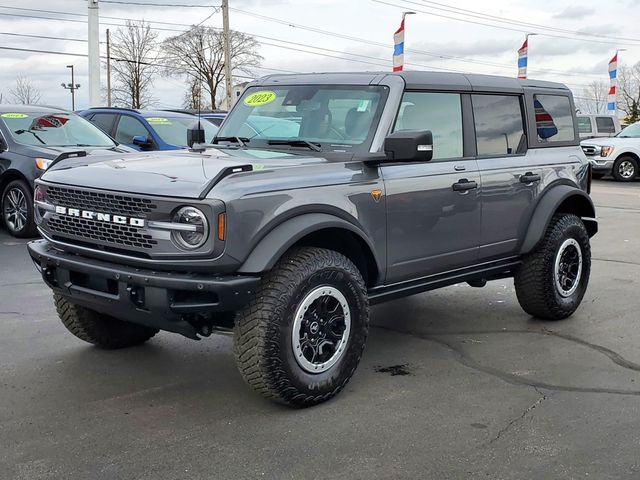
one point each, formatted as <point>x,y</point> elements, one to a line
<point>147,130</point>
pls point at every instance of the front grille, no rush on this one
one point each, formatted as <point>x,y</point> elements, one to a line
<point>589,150</point>
<point>100,202</point>
<point>119,235</point>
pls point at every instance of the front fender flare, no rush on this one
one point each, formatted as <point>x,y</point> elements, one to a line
<point>549,205</point>
<point>269,250</point>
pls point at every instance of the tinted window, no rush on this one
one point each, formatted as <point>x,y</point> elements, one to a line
<point>173,130</point>
<point>439,112</point>
<point>129,127</point>
<point>605,125</point>
<point>104,121</point>
<point>554,119</point>
<point>584,125</point>
<point>499,126</point>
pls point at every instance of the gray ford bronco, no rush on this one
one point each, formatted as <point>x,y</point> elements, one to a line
<point>321,195</point>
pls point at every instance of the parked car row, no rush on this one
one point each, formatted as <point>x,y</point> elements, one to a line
<point>31,137</point>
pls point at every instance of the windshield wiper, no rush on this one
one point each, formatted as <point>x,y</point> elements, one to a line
<point>20,132</point>
<point>297,143</point>
<point>242,141</point>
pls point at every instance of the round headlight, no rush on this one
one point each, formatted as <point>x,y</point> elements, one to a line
<point>195,231</point>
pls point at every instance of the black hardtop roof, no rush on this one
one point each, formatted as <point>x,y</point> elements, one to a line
<point>416,80</point>
<point>19,108</point>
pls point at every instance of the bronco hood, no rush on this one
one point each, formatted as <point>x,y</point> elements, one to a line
<point>185,174</point>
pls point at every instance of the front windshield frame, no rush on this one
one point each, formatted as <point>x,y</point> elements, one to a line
<point>374,99</point>
<point>26,122</point>
<point>634,128</point>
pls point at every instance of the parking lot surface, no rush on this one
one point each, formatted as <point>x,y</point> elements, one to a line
<point>456,383</point>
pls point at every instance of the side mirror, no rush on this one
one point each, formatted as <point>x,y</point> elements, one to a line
<point>409,146</point>
<point>195,135</point>
<point>141,141</point>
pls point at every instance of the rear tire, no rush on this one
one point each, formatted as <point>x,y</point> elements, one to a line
<point>625,169</point>
<point>101,330</point>
<point>553,279</point>
<point>16,205</point>
<point>301,338</point>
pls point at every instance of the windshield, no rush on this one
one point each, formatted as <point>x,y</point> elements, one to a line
<point>335,118</point>
<point>173,130</point>
<point>57,129</point>
<point>632,131</point>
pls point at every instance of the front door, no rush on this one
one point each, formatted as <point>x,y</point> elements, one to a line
<point>433,208</point>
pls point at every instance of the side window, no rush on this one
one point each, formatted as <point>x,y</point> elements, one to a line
<point>554,119</point>
<point>499,125</point>
<point>129,127</point>
<point>104,121</point>
<point>439,112</point>
<point>584,125</point>
<point>605,125</point>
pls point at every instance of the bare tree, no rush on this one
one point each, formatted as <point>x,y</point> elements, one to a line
<point>134,64</point>
<point>25,92</point>
<point>193,97</point>
<point>199,53</point>
<point>594,98</point>
<point>629,92</point>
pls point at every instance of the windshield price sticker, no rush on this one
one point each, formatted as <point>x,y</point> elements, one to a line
<point>258,99</point>
<point>14,115</point>
<point>158,121</point>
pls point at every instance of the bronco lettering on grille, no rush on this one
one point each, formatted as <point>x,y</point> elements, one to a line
<point>101,217</point>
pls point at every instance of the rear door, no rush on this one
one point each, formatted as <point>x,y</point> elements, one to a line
<point>509,179</point>
<point>432,226</point>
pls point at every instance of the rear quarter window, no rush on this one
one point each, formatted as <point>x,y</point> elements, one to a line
<point>584,125</point>
<point>554,118</point>
<point>605,125</point>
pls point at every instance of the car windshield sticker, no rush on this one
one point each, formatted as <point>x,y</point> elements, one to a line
<point>48,121</point>
<point>158,121</point>
<point>14,115</point>
<point>544,122</point>
<point>363,105</point>
<point>257,99</point>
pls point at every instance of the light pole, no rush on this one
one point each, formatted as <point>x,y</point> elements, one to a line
<point>226,48</point>
<point>72,87</point>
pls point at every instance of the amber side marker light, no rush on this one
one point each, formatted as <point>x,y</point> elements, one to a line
<point>221,226</point>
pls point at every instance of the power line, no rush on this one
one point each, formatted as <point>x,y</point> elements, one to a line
<point>43,37</point>
<point>119,2</point>
<point>501,27</point>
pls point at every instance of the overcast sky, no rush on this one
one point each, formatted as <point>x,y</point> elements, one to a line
<point>476,48</point>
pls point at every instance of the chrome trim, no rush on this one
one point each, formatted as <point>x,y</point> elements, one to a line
<point>45,206</point>
<point>172,226</point>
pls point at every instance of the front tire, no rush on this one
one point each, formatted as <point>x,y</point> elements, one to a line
<point>301,338</point>
<point>625,169</point>
<point>17,209</point>
<point>101,330</point>
<point>553,279</point>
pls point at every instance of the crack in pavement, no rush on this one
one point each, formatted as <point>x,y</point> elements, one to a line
<point>504,429</point>
<point>625,262</point>
<point>463,358</point>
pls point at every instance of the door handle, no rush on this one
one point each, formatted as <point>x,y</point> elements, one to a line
<point>529,177</point>
<point>464,185</point>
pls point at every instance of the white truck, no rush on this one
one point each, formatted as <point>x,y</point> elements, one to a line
<point>618,156</point>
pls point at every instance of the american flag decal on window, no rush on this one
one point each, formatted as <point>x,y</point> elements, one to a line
<point>544,122</point>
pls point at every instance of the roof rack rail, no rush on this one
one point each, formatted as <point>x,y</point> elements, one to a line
<point>115,108</point>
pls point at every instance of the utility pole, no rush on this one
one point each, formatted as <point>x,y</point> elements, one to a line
<point>227,52</point>
<point>94,54</point>
<point>108,69</point>
<point>73,86</point>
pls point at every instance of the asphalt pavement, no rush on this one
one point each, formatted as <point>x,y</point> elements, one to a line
<point>457,383</point>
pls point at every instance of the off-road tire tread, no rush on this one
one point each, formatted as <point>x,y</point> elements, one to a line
<point>101,330</point>
<point>535,293</point>
<point>253,332</point>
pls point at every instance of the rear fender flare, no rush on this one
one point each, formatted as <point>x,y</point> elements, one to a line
<point>580,204</point>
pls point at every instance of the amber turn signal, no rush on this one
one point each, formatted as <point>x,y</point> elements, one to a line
<point>221,226</point>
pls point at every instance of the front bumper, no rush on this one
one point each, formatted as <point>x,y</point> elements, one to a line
<point>601,165</point>
<point>164,300</point>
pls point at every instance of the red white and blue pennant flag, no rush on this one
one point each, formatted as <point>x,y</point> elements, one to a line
<point>398,49</point>
<point>613,76</point>
<point>523,55</point>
